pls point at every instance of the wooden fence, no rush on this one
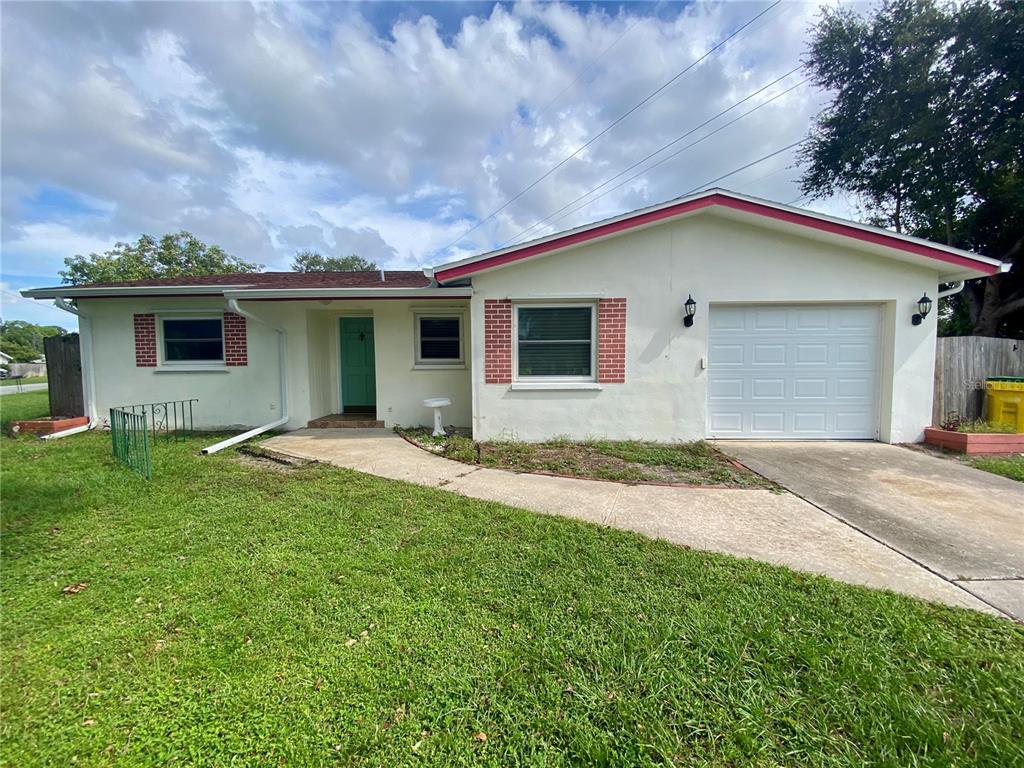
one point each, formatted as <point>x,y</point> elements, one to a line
<point>962,363</point>
<point>64,375</point>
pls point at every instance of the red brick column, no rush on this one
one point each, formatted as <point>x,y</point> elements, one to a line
<point>236,345</point>
<point>145,341</point>
<point>497,341</point>
<point>611,341</point>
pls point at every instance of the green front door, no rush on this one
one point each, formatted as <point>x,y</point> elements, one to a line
<point>358,381</point>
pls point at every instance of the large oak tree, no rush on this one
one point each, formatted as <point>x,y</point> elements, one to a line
<point>926,128</point>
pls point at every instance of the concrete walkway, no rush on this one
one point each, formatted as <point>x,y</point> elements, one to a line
<point>959,522</point>
<point>774,528</point>
<point>14,389</point>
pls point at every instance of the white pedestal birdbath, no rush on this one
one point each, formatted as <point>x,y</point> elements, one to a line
<point>437,403</point>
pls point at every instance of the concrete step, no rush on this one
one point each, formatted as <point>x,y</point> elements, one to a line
<point>346,420</point>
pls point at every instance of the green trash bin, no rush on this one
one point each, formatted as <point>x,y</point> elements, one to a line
<point>1005,400</point>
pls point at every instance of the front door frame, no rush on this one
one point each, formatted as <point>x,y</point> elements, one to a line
<point>355,408</point>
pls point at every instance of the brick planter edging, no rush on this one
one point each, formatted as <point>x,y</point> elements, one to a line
<point>48,426</point>
<point>975,442</point>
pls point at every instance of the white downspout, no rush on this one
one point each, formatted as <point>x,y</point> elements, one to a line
<point>88,382</point>
<point>957,287</point>
<point>282,352</point>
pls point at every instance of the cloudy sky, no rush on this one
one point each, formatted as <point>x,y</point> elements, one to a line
<point>386,130</point>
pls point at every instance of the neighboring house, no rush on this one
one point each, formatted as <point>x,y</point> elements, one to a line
<point>5,358</point>
<point>802,328</point>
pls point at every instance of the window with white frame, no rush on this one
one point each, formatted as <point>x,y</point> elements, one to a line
<point>192,339</point>
<point>555,341</point>
<point>439,339</point>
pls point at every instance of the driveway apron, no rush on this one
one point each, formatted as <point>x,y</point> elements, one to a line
<point>959,522</point>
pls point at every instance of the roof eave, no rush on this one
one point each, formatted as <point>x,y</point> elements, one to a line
<point>710,198</point>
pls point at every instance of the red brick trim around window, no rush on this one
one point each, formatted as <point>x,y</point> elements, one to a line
<point>497,341</point>
<point>611,341</point>
<point>145,341</point>
<point>236,346</point>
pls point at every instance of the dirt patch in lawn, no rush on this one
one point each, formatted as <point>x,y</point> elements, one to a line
<point>625,461</point>
<point>257,456</point>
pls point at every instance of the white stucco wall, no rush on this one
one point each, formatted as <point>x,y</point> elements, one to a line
<point>247,396</point>
<point>717,259</point>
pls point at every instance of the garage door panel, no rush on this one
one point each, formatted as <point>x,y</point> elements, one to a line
<point>806,389</point>
<point>721,355</point>
<point>793,372</point>
<point>811,354</point>
<point>768,389</point>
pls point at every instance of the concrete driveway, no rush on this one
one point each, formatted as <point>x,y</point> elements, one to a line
<point>965,525</point>
<point>777,528</point>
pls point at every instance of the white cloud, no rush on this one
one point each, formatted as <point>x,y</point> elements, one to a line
<point>314,128</point>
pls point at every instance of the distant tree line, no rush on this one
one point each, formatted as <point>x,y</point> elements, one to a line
<point>23,341</point>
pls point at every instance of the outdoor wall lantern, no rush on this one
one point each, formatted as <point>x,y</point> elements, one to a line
<point>924,306</point>
<point>689,310</point>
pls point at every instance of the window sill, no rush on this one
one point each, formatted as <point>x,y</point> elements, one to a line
<point>591,386</point>
<point>439,367</point>
<point>191,369</point>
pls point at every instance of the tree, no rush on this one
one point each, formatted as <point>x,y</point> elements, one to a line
<point>311,261</point>
<point>177,255</point>
<point>926,127</point>
<point>23,341</point>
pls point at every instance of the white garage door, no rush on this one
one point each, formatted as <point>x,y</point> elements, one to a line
<point>796,371</point>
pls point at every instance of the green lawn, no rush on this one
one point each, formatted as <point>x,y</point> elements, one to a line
<point>245,615</point>
<point>27,380</point>
<point>26,405</point>
<point>1007,466</point>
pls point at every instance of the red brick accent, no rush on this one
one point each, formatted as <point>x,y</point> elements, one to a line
<point>145,341</point>
<point>611,341</point>
<point>236,346</point>
<point>497,341</point>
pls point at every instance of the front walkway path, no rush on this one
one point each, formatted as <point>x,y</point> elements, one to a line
<point>773,527</point>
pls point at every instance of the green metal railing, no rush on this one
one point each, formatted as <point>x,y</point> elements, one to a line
<point>129,437</point>
<point>169,420</point>
<point>135,429</point>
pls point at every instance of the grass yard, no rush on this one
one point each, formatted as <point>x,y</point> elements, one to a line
<point>629,461</point>
<point>26,380</point>
<point>26,405</point>
<point>1007,466</point>
<point>236,613</point>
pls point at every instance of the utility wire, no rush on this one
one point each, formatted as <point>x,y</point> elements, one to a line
<point>610,126</point>
<point>701,186</point>
<point>769,156</point>
<point>674,141</point>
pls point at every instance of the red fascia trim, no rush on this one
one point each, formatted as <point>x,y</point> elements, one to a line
<point>689,206</point>
<point>362,298</point>
<point>288,298</point>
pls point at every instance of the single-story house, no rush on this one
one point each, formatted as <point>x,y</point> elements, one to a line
<point>716,315</point>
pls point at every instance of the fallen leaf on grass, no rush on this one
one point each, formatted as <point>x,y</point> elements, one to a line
<point>350,642</point>
<point>480,736</point>
<point>74,589</point>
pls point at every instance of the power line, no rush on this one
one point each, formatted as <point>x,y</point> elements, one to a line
<point>674,141</point>
<point>769,156</point>
<point>706,184</point>
<point>610,126</point>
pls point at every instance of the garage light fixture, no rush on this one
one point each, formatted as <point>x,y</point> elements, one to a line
<point>924,306</point>
<point>689,310</point>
